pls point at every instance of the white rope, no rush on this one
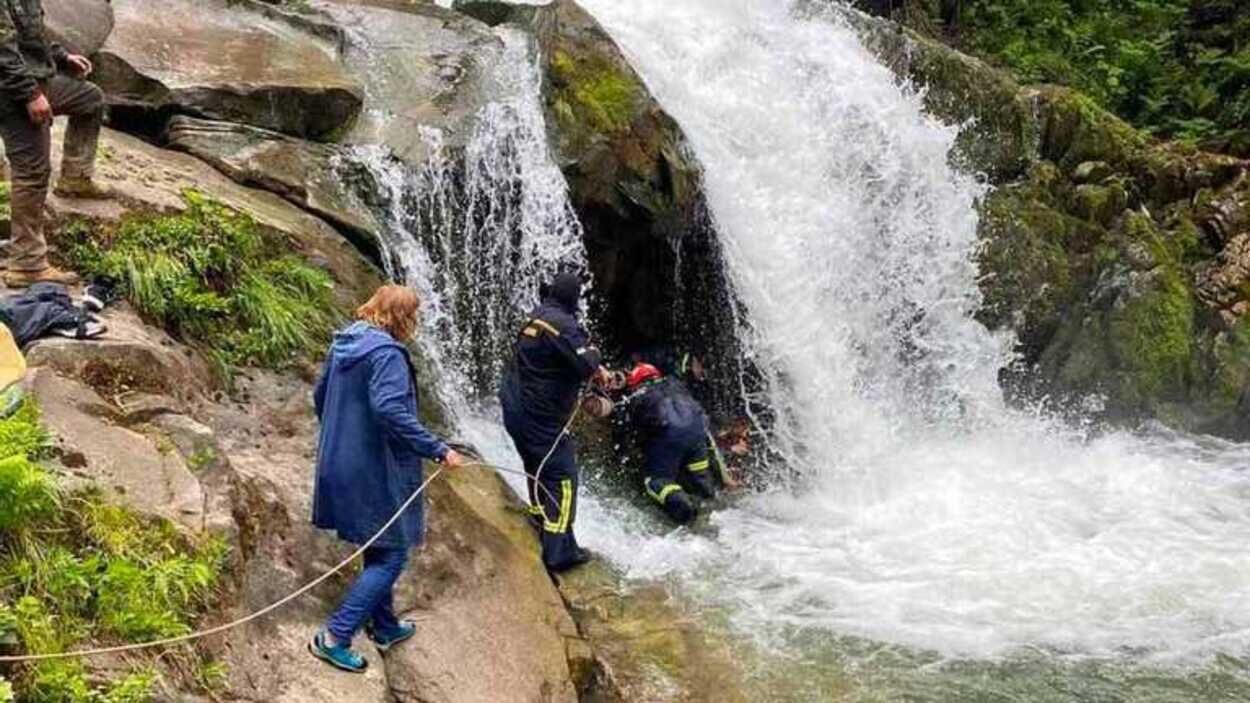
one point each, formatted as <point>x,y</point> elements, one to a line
<point>243,620</point>
<point>312,584</point>
<point>538,473</point>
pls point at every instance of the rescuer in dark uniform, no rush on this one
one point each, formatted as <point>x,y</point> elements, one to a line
<point>553,360</point>
<point>673,431</point>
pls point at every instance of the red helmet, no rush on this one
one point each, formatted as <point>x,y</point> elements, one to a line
<point>640,374</point>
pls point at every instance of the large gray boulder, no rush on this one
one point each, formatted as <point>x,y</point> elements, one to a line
<point>309,174</point>
<point>228,61</point>
<point>82,26</point>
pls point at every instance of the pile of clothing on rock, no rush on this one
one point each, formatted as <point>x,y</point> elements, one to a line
<point>44,309</point>
<point>47,309</point>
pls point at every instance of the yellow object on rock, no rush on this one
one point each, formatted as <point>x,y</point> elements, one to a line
<point>12,363</point>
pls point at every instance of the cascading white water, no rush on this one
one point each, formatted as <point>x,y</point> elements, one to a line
<point>930,514</point>
<point>475,231</point>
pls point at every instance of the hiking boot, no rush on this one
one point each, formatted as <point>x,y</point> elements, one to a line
<point>336,655</point>
<point>51,274</point>
<point>581,556</point>
<point>82,189</point>
<point>385,640</point>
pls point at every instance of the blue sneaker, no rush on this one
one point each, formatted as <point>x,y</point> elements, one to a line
<point>337,656</point>
<point>385,640</point>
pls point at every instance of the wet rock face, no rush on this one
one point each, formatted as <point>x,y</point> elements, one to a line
<point>426,68</point>
<point>1118,261</point>
<point>646,647</point>
<point>225,61</point>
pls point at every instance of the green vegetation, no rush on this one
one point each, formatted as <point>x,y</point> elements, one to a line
<point>212,276</point>
<point>1176,68</point>
<point>592,91</point>
<point>76,570</point>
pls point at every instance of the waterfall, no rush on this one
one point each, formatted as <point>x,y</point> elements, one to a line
<point>929,514</point>
<point>475,229</point>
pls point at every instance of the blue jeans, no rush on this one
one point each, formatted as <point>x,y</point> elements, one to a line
<point>371,596</point>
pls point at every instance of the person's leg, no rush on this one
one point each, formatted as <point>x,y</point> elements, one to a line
<point>662,459</point>
<point>529,462</point>
<point>28,148</point>
<point>372,587</point>
<point>383,616</point>
<point>558,496</point>
<point>83,102</point>
<point>696,474</point>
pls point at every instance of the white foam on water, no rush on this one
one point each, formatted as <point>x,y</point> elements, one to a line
<point>931,514</point>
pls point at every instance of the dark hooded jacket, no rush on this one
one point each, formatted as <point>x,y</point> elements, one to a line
<point>553,359</point>
<point>665,410</point>
<point>371,444</point>
<point>26,55</point>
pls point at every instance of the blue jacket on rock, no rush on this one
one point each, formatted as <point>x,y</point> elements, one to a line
<point>371,444</point>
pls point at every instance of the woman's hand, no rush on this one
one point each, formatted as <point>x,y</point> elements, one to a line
<point>454,459</point>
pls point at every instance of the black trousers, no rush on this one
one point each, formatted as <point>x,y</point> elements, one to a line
<point>553,494</point>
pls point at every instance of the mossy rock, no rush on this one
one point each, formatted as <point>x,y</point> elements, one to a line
<point>620,150</point>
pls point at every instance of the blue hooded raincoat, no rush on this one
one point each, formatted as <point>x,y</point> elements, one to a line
<point>371,444</point>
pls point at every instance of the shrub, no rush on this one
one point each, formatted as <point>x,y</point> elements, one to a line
<point>212,276</point>
<point>1178,68</point>
<point>27,493</point>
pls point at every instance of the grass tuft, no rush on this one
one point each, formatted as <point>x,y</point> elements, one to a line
<point>212,276</point>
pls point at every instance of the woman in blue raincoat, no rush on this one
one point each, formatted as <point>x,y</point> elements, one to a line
<point>369,461</point>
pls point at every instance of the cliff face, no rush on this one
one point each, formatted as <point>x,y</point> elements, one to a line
<point>1118,261</point>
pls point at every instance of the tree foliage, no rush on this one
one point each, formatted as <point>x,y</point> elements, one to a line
<point>1176,68</point>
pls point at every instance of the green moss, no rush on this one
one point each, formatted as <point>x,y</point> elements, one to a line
<point>1033,264</point>
<point>212,276</point>
<point>75,570</point>
<point>1232,367</point>
<point>593,91</point>
<point>201,458</point>
<point>1099,204</point>
<point>1153,337</point>
<point>1077,130</point>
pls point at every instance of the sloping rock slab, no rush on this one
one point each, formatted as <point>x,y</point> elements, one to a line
<point>151,178</point>
<point>215,59</point>
<point>82,26</point>
<point>130,357</point>
<point>647,650</point>
<point>479,582</point>
<point>301,171</point>
<point>124,463</point>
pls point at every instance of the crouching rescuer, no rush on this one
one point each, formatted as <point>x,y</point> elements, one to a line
<point>672,428</point>
<point>552,362</point>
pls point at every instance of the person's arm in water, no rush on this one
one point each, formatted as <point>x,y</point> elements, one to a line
<point>389,390</point>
